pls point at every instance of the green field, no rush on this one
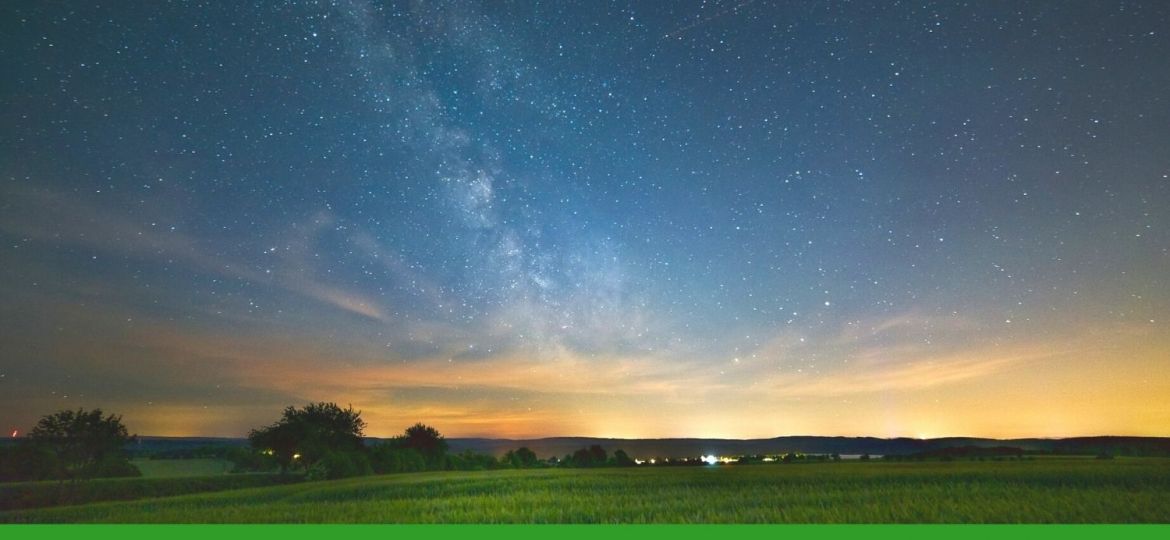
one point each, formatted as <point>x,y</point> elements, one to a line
<point>175,468</point>
<point>28,495</point>
<point>1065,491</point>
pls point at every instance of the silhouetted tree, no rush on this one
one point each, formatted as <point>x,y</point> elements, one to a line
<point>621,459</point>
<point>594,456</point>
<point>81,444</point>
<point>520,458</point>
<point>306,435</point>
<point>427,441</point>
<point>597,454</point>
<point>581,458</point>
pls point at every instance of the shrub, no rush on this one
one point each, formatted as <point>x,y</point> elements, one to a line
<point>389,458</point>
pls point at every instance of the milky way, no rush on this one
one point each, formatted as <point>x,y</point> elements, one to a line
<point>735,219</point>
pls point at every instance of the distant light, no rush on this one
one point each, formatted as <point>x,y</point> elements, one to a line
<point>651,461</point>
<point>710,460</point>
<point>296,456</point>
<point>15,433</point>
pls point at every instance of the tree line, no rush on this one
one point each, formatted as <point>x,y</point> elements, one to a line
<point>327,441</point>
<point>319,440</point>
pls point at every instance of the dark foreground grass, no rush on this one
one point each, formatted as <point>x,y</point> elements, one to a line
<point>1073,491</point>
<point>25,495</point>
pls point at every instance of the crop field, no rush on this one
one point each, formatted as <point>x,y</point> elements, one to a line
<point>1041,491</point>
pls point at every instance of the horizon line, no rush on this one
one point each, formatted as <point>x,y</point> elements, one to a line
<point>22,436</point>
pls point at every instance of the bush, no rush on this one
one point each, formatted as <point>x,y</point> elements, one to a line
<point>24,461</point>
<point>116,467</point>
<point>471,461</point>
<point>345,464</point>
<point>246,460</point>
<point>388,458</point>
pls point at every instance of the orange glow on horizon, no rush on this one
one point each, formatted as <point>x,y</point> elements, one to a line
<point>1102,382</point>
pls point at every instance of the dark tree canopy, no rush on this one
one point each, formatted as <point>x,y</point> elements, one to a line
<point>307,434</point>
<point>424,438</point>
<point>520,458</point>
<point>427,441</point>
<point>594,456</point>
<point>622,459</point>
<point>83,444</point>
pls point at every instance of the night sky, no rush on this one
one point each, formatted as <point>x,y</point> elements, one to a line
<point>693,219</point>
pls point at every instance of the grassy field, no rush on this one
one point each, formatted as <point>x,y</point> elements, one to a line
<point>26,495</point>
<point>175,468</point>
<point>1066,491</point>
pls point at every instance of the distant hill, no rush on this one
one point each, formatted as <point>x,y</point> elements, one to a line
<point>678,448</point>
<point>954,452</point>
<point>645,448</point>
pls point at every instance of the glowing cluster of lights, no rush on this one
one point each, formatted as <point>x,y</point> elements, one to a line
<point>713,459</point>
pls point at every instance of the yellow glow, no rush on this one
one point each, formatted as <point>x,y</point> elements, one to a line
<point>1086,381</point>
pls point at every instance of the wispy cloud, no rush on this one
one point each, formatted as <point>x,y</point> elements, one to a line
<point>924,372</point>
<point>62,220</point>
<point>900,353</point>
<point>57,218</point>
